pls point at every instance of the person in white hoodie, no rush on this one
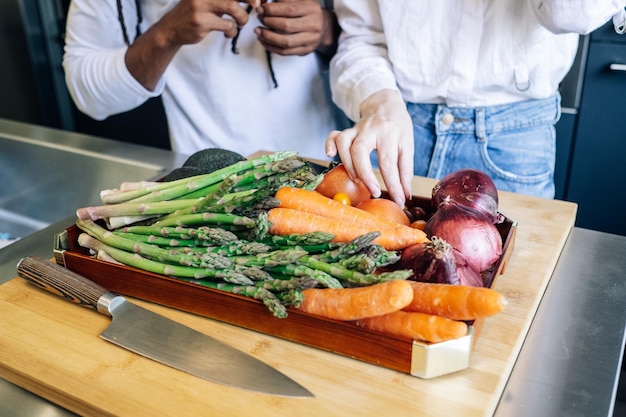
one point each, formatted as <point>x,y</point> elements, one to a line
<point>435,86</point>
<point>242,76</point>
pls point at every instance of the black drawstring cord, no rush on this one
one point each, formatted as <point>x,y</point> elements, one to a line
<point>268,54</point>
<point>120,17</point>
<point>233,43</point>
<point>139,19</point>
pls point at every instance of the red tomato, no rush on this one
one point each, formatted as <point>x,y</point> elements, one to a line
<point>385,208</point>
<point>337,181</point>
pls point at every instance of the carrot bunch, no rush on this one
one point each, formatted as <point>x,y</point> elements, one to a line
<point>303,211</point>
<point>420,311</point>
<point>414,310</point>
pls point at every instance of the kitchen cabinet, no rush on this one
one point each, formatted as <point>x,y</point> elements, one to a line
<point>596,173</point>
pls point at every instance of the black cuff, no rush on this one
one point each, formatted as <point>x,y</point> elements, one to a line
<point>327,4</point>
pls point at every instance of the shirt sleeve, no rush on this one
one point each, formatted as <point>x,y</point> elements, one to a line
<point>95,70</point>
<point>575,16</point>
<point>361,66</point>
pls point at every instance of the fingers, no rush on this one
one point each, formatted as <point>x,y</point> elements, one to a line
<point>238,12</point>
<point>191,21</point>
<point>292,27</point>
<point>405,165</point>
<point>254,3</point>
<point>292,44</point>
<point>354,150</point>
<point>341,142</point>
<point>330,148</point>
<point>217,24</point>
<point>362,147</point>
<point>289,8</point>
<point>389,170</point>
<point>395,157</point>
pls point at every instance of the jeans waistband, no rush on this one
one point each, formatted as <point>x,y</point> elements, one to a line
<point>490,119</point>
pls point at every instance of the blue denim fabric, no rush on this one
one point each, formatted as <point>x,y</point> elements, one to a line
<point>515,144</point>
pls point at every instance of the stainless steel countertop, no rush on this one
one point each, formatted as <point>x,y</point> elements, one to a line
<point>569,363</point>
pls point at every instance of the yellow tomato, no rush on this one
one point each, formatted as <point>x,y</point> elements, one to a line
<point>337,181</point>
<point>343,198</point>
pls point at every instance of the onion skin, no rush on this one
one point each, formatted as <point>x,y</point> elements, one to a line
<point>470,188</point>
<point>438,262</point>
<point>469,232</point>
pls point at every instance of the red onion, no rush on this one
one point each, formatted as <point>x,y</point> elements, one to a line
<point>438,262</point>
<point>469,232</point>
<point>469,188</point>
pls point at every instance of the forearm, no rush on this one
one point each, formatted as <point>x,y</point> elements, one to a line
<point>361,66</point>
<point>149,56</point>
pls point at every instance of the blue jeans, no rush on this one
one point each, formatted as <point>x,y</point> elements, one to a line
<point>515,144</point>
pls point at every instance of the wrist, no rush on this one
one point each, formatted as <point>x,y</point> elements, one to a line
<point>328,41</point>
<point>380,101</point>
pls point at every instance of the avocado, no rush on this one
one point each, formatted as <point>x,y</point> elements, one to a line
<point>182,172</point>
<point>212,159</point>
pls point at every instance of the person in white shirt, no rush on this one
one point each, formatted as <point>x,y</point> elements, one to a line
<point>435,86</point>
<point>242,76</point>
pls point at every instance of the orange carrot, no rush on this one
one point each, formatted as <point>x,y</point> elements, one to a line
<point>285,221</point>
<point>415,326</point>
<point>358,302</point>
<point>456,302</point>
<point>316,203</point>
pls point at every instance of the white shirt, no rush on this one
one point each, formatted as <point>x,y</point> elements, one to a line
<point>464,53</point>
<point>212,97</point>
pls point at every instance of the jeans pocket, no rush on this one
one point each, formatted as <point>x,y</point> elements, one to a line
<point>523,159</point>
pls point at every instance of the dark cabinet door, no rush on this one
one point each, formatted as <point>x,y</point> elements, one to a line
<point>597,180</point>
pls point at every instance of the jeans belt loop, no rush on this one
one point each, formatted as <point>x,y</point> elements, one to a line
<point>479,123</point>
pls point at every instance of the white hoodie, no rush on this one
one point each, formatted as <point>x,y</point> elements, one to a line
<point>212,97</point>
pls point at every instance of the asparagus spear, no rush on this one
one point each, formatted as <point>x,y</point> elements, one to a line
<point>350,276</point>
<point>152,251</point>
<point>253,272</point>
<point>291,297</point>
<point>216,236</point>
<point>136,209</point>
<point>267,297</point>
<point>323,278</point>
<point>270,259</point>
<point>173,189</point>
<point>163,242</point>
<point>199,246</point>
<point>281,285</point>
<point>258,208</point>
<point>135,260</point>
<point>359,262</point>
<point>301,239</point>
<point>380,255</point>
<point>349,248</point>
<point>206,219</point>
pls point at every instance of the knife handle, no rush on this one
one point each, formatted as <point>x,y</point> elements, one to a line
<point>60,281</point>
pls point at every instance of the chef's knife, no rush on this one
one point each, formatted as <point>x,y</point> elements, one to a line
<point>159,338</point>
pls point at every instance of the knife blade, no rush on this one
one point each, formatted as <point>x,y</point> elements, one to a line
<point>159,338</point>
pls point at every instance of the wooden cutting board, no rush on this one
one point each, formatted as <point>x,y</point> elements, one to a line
<point>52,348</point>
